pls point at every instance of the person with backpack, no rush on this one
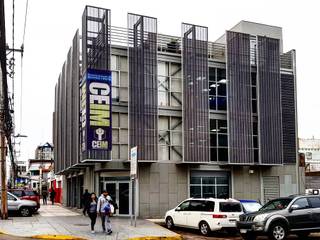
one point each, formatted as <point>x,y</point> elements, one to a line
<point>92,210</point>
<point>104,210</point>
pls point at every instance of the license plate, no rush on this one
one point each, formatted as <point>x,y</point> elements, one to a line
<point>243,230</point>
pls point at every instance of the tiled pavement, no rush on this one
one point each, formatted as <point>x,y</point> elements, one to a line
<point>57,220</point>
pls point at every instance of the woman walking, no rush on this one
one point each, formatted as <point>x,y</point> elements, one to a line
<point>92,211</point>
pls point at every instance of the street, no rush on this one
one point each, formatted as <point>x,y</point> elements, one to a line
<point>192,234</point>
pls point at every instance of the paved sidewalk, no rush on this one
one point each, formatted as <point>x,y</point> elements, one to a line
<point>57,220</point>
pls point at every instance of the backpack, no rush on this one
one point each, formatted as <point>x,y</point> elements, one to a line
<point>107,208</point>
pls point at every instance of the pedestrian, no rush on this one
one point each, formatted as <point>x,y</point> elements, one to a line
<point>102,203</point>
<point>92,210</point>
<point>52,195</point>
<point>44,197</point>
<point>85,199</point>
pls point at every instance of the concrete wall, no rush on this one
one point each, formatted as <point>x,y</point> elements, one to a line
<point>162,186</point>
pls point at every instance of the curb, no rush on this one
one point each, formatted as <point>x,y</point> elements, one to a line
<point>48,237</point>
<point>176,237</point>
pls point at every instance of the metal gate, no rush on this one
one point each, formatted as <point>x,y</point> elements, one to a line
<point>271,188</point>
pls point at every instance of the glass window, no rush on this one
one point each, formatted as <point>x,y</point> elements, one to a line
<point>230,207</point>
<point>184,206</point>
<point>196,206</point>
<point>222,89</point>
<point>223,140</point>
<point>209,206</point>
<point>208,180</point>
<point>254,78</point>
<point>223,154</point>
<point>213,140</point>
<point>222,125</point>
<point>223,192</point>
<point>315,202</point>
<point>212,88</point>
<point>222,180</point>
<point>212,74</point>
<point>302,203</point>
<point>208,191</point>
<point>254,106</point>
<point>10,197</point>
<point>222,103</point>
<point>195,191</point>
<point>213,154</point>
<point>212,102</point>
<point>195,180</point>
<point>276,204</point>
<point>221,74</point>
<point>17,193</point>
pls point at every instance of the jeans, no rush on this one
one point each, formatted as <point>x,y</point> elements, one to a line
<point>93,218</point>
<point>105,219</point>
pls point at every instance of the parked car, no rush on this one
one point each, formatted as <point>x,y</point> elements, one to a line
<point>250,206</point>
<point>205,214</point>
<point>294,214</point>
<point>24,207</point>
<point>27,194</point>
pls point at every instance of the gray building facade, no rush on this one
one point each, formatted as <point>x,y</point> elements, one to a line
<point>210,119</point>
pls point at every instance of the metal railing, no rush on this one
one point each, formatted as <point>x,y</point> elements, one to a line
<point>172,44</point>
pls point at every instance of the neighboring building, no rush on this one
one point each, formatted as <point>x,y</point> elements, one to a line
<point>40,168</point>
<point>210,119</point>
<point>310,147</point>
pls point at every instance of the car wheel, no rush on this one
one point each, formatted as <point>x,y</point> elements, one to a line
<point>248,236</point>
<point>204,228</point>
<point>169,223</point>
<point>278,231</point>
<point>25,212</point>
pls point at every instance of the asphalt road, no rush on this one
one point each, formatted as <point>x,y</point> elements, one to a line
<point>192,234</point>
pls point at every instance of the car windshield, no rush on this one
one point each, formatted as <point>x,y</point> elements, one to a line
<point>277,204</point>
<point>251,206</point>
<point>30,193</point>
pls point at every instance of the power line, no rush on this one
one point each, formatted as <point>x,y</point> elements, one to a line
<point>25,22</point>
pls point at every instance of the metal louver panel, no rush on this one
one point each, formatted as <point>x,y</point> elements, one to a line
<point>288,118</point>
<point>271,188</point>
<point>239,98</point>
<point>143,86</point>
<point>269,101</point>
<point>195,93</point>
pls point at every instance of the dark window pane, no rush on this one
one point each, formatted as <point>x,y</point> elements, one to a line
<point>255,142</point>
<point>254,92</point>
<point>315,202</point>
<point>222,125</point>
<point>213,140</point>
<point>208,180</point>
<point>213,154</point>
<point>222,180</point>
<point>254,106</point>
<point>209,207</point>
<point>208,191</point>
<point>212,74</point>
<point>255,128</point>
<point>195,180</point>
<point>30,193</point>
<point>195,191</point>
<point>223,140</point>
<point>212,88</point>
<point>254,78</point>
<point>222,89</point>
<point>223,192</point>
<point>222,103</point>
<point>302,203</point>
<point>256,155</point>
<point>223,154</point>
<point>221,74</point>
<point>230,207</point>
<point>196,206</point>
<point>213,125</point>
<point>213,103</point>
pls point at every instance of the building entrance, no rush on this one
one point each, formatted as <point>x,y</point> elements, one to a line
<point>119,190</point>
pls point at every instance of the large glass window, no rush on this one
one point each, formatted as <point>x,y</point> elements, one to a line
<point>206,185</point>
<point>217,89</point>
<point>170,138</point>
<point>219,140</point>
<point>119,70</point>
<point>169,84</point>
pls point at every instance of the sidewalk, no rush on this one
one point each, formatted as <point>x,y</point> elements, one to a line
<point>57,220</point>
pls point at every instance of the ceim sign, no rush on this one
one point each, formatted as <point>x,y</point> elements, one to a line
<point>96,110</point>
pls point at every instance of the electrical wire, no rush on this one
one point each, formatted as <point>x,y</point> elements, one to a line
<point>25,22</point>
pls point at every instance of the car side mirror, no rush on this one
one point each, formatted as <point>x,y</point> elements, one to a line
<point>294,207</point>
<point>178,209</point>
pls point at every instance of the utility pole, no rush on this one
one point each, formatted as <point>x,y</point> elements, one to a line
<point>4,113</point>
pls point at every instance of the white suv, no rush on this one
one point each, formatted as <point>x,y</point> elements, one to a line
<point>205,214</point>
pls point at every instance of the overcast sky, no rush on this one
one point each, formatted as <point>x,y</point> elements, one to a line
<point>51,25</point>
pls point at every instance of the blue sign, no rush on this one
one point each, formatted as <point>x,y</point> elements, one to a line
<point>96,110</point>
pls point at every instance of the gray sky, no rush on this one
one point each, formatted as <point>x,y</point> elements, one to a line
<point>51,25</point>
